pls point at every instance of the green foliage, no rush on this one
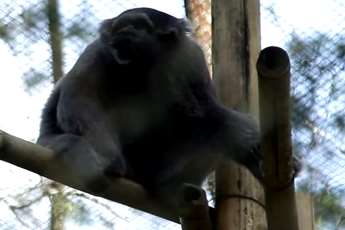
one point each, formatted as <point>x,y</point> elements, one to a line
<point>76,29</point>
<point>341,51</point>
<point>31,17</point>
<point>5,32</point>
<point>33,78</point>
<point>329,208</point>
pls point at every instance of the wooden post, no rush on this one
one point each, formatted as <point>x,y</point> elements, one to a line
<point>236,44</point>
<point>196,215</point>
<point>274,86</point>
<point>305,211</point>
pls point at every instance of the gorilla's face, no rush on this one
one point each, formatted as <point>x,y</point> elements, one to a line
<point>132,37</point>
<point>135,37</point>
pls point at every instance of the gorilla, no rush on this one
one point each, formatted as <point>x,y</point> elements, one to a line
<point>139,103</point>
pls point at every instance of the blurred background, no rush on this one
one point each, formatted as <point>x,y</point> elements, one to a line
<point>41,40</point>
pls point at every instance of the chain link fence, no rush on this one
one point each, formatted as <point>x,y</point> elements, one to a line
<point>312,32</point>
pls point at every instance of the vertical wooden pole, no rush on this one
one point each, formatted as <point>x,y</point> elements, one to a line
<point>305,211</point>
<point>274,85</point>
<point>236,44</point>
<point>196,215</point>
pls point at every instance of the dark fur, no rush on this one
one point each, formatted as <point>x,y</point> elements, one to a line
<point>140,103</point>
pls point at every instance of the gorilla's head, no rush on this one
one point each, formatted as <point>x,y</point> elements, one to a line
<point>141,34</point>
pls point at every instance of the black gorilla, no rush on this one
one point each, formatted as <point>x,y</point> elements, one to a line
<point>139,103</point>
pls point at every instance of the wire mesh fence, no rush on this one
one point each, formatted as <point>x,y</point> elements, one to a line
<point>312,32</point>
<point>26,200</point>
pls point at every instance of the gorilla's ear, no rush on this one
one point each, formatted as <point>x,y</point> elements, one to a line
<point>175,31</point>
<point>170,33</point>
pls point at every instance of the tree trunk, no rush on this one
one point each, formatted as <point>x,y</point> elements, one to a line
<point>59,209</point>
<point>55,37</point>
<point>57,199</point>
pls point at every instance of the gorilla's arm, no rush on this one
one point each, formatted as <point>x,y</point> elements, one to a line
<point>242,141</point>
<point>74,126</point>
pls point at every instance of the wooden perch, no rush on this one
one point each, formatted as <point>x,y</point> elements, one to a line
<point>273,67</point>
<point>38,159</point>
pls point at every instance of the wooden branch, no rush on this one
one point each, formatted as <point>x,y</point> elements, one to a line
<point>39,159</point>
<point>24,154</point>
<point>273,67</point>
